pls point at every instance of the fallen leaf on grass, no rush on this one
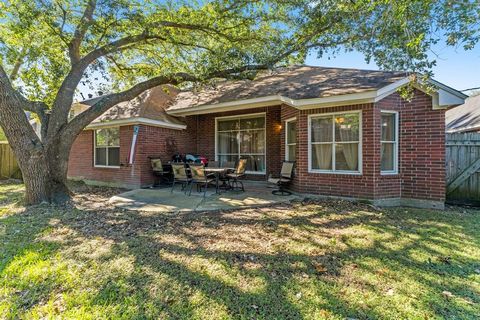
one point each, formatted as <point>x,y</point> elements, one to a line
<point>320,268</point>
<point>389,292</point>
<point>446,260</point>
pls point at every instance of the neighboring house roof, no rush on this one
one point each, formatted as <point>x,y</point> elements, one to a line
<point>301,87</point>
<point>148,108</point>
<point>465,117</point>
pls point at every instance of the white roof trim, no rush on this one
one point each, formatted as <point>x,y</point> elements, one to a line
<point>134,121</point>
<point>443,98</point>
<point>464,129</point>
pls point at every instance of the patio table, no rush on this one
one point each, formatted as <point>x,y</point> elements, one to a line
<point>218,172</point>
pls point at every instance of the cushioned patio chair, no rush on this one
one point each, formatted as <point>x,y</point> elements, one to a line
<point>284,179</point>
<point>180,175</point>
<point>157,169</point>
<point>200,178</point>
<point>239,173</point>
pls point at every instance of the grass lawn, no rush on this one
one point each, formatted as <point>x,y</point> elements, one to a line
<point>312,260</point>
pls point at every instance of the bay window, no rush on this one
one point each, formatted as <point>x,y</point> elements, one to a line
<point>242,137</point>
<point>389,142</point>
<point>290,139</point>
<point>107,147</point>
<point>335,143</point>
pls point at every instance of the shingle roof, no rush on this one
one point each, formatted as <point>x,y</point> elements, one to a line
<point>300,82</point>
<point>151,104</point>
<point>465,117</point>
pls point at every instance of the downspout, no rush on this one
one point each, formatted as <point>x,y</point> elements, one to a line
<point>132,147</point>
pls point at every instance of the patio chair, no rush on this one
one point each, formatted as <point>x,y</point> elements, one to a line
<point>200,178</point>
<point>180,175</point>
<point>234,177</point>
<point>223,177</point>
<point>285,179</point>
<point>157,169</point>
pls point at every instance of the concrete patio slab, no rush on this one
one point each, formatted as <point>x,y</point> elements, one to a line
<point>162,200</point>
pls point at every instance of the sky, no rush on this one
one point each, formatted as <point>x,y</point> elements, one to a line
<point>456,68</point>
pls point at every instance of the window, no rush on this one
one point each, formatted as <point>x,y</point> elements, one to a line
<point>107,147</point>
<point>290,139</point>
<point>389,142</point>
<point>242,137</point>
<point>334,143</point>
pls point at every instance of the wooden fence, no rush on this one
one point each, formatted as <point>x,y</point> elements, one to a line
<point>463,167</point>
<point>8,164</point>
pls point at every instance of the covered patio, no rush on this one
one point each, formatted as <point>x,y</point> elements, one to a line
<point>257,194</point>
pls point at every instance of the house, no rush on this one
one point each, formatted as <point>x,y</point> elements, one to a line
<point>349,131</point>
<point>464,118</point>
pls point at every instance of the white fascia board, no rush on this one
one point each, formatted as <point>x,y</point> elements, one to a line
<point>442,98</point>
<point>333,101</point>
<point>227,106</point>
<point>301,104</point>
<point>464,129</point>
<point>391,88</point>
<point>135,121</point>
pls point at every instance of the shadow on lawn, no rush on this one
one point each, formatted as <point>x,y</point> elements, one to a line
<point>223,261</point>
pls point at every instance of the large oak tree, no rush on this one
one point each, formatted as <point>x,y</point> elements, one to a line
<point>48,48</point>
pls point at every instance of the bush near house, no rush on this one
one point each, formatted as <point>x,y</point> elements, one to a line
<point>311,260</point>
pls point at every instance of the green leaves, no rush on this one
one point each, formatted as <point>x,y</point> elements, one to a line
<point>199,37</point>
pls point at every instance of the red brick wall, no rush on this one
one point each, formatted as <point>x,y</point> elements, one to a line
<point>164,143</point>
<point>81,161</point>
<point>151,141</point>
<point>206,136</point>
<point>342,185</point>
<point>287,113</point>
<point>422,150</point>
<point>387,186</point>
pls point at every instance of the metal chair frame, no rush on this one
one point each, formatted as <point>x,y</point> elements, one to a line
<point>286,176</point>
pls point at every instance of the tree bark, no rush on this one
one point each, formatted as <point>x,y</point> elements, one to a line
<point>44,178</point>
<point>43,165</point>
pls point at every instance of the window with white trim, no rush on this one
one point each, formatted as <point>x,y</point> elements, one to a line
<point>107,147</point>
<point>242,137</point>
<point>335,143</point>
<point>389,142</point>
<point>291,140</point>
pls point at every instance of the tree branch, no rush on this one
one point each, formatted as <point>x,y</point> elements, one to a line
<point>80,31</point>
<point>19,131</point>
<point>18,64</point>
<point>77,124</point>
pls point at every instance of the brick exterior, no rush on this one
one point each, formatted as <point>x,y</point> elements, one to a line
<point>422,150</point>
<point>421,173</point>
<point>206,136</point>
<point>151,141</point>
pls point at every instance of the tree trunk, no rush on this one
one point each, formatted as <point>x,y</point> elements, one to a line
<point>45,178</point>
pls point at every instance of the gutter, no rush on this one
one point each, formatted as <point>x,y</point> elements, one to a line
<point>136,121</point>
